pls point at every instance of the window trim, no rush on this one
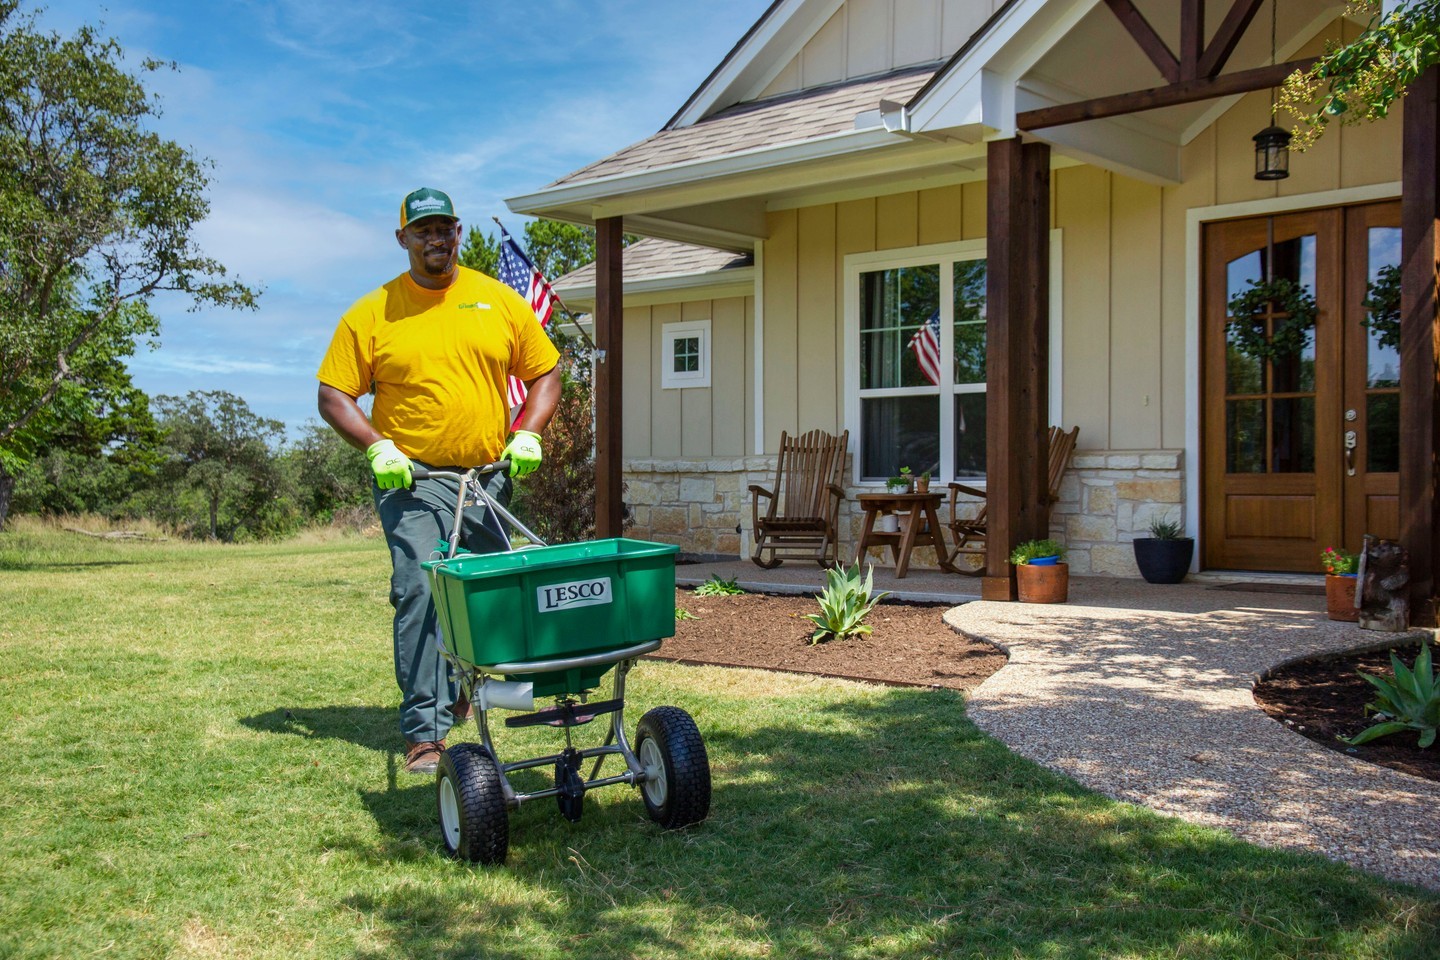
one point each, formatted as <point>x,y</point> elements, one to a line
<point>670,333</point>
<point>857,263</point>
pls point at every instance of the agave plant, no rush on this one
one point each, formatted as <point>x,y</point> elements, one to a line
<point>844,604</point>
<point>1410,702</point>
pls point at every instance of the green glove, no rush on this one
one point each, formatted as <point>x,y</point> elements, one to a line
<point>390,466</point>
<point>523,452</point>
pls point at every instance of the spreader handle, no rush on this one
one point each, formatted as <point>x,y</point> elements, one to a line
<point>418,472</point>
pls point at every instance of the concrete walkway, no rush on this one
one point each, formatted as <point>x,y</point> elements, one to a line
<point>1143,692</point>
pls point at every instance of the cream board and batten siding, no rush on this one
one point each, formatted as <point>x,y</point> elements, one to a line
<point>865,37</point>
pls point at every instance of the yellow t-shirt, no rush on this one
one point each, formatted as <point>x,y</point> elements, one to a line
<point>438,361</point>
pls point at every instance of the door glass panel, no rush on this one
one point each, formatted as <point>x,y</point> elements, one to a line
<point>1292,435</point>
<point>1245,436</point>
<point>900,432</point>
<point>969,321</point>
<point>1242,374</point>
<point>970,436</point>
<point>1382,432</point>
<point>1382,303</point>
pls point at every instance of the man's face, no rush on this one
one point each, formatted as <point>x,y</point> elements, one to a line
<point>433,245</point>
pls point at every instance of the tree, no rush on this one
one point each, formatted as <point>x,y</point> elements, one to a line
<point>327,474</point>
<point>96,216</point>
<point>1358,82</point>
<point>219,450</point>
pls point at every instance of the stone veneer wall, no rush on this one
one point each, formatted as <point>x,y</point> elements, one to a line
<point>1107,498</point>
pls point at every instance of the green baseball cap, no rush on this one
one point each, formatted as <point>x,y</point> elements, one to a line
<point>425,202</point>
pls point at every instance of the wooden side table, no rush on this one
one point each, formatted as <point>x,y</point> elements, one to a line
<point>922,525</point>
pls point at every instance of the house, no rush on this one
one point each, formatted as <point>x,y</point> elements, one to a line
<point>1065,193</point>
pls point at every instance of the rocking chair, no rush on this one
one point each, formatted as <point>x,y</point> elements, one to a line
<point>969,532</point>
<point>799,522</point>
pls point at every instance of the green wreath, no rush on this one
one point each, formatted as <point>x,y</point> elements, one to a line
<point>1246,327</point>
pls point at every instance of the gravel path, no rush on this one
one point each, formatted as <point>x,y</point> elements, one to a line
<point>1143,692</point>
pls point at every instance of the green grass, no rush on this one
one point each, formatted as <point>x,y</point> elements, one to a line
<point>199,759</point>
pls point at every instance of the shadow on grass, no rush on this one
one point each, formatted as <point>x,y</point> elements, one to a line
<point>19,564</point>
<point>373,728</point>
<point>916,836</point>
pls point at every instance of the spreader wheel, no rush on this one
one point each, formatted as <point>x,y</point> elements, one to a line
<point>677,769</point>
<point>473,819</point>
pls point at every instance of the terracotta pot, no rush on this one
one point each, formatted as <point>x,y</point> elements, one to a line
<point>1042,584</point>
<point>1340,597</point>
<point>922,484</point>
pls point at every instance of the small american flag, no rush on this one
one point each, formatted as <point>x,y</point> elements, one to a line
<point>926,344</point>
<point>519,274</point>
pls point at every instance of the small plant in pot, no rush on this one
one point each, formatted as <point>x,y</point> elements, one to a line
<point>1164,556</point>
<point>902,483</point>
<point>1041,574</point>
<point>1341,567</point>
<point>922,482</point>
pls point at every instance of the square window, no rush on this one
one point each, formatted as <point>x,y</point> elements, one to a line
<point>685,354</point>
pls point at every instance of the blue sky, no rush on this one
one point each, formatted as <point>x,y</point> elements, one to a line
<point>319,116</point>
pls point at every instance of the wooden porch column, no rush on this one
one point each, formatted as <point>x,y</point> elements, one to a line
<point>1017,394</point>
<point>1419,334</point>
<point>609,378</point>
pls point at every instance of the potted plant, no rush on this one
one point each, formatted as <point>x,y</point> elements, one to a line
<point>1341,567</point>
<point>922,482</point>
<point>1041,574</point>
<point>1164,556</point>
<point>903,483</point>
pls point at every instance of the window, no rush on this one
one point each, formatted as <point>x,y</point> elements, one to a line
<point>918,326</point>
<point>685,354</point>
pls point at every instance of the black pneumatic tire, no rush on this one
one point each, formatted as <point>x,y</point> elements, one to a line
<point>474,822</point>
<point>673,754</point>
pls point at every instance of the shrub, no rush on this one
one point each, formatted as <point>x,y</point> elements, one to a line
<point>844,604</point>
<point>718,587</point>
<point>1410,702</point>
<point>1163,528</point>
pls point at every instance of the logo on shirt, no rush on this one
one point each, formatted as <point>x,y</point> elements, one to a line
<point>477,305</point>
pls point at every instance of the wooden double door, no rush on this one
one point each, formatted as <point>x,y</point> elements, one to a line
<point>1300,421</point>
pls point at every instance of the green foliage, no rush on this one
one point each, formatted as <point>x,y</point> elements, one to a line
<point>1357,82</point>
<point>96,216</point>
<point>1035,550</point>
<point>1339,560</point>
<point>1164,528</point>
<point>326,474</point>
<point>221,478</point>
<point>717,586</point>
<point>844,604</point>
<point>1410,702</point>
<point>682,614</point>
<point>1382,300</point>
<point>1246,328</point>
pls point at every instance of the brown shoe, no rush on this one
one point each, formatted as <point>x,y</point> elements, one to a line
<point>423,757</point>
<point>461,709</point>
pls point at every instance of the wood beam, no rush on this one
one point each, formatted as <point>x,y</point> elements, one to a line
<point>1192,37</point>
<point>609,378</point>
<point>1139,28</point>
<point>1420,344</point>
<point>1017,394</point>
<point>1213,60</point>
<point>1187,91</point>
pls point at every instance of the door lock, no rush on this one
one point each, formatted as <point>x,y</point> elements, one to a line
<point>1351,442</point>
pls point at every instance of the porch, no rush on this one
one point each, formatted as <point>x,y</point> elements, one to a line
<point>1143,693</point>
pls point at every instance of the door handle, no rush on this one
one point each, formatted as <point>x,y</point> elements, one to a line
<point>1351,441</point>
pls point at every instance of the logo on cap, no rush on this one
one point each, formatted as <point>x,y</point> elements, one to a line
<point>425,202</point>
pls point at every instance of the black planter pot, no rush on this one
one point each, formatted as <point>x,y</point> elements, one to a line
<point>1163,561</point>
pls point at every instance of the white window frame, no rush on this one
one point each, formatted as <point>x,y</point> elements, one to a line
<point>670,333</point>
<point>943,254</point>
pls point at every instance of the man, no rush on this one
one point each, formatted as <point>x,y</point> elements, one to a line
<point>435,345</point>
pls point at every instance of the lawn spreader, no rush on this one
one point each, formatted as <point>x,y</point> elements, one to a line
<point>584,610</point>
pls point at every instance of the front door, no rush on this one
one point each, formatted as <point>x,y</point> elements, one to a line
<point>1301,390</point>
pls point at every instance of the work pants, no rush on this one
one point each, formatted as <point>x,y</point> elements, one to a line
<point>417,524</point>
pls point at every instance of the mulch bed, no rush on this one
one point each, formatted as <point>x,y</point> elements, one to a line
<point>910,644</point>
<point>1325,698</point>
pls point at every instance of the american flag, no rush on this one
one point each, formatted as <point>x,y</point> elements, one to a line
<point>926,344</point>
<point>518,273</point>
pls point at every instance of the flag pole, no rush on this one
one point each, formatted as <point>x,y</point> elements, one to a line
<point>569,314</point>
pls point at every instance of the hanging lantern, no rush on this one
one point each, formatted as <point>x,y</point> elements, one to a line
<point>1272,153</point>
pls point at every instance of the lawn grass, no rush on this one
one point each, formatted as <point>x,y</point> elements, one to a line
<point>200,759</point>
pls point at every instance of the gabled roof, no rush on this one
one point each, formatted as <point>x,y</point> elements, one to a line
<point>792,118</point>
<point>667,271</point>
